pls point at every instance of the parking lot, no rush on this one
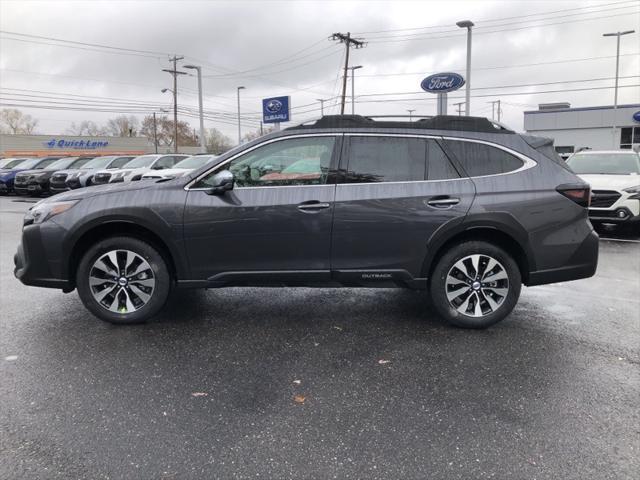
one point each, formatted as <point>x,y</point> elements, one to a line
<point>322,383</point>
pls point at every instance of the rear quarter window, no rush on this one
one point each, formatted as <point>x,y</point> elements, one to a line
<point>479,159</point>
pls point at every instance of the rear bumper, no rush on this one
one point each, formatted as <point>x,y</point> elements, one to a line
<point>38,260</point>
<point>582,264</point>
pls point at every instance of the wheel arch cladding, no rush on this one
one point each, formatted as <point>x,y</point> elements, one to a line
<point>114,229</point>
<point>487,233</point>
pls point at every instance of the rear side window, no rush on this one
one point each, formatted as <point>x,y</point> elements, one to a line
<point>385,159</point>
<point>479,159</point>
<point>438,165</point>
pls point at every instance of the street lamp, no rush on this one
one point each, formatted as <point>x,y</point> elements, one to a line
<point>203,147</point>
<point>467,24</point>
<point>239,129</point>
<point>321,100</point>
<point>175,117</point>
<point>353,81</point>
<point>411,114</point>
<point>155,128</point>
<point>615,94</point>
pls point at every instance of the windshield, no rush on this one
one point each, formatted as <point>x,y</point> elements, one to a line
<point>60,164</point>
<point>195,161</point>
<point>98,162</point>
<point>30,163</point>
<point>120,162</point>
<point>143,161</point>
<point>13,163</point>
<point>605,163</point>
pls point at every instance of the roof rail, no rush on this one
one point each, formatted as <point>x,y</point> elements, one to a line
<point>438,122</point>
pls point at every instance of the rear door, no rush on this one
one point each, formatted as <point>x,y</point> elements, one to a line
<point>395,191</point>
<point>275,225</point>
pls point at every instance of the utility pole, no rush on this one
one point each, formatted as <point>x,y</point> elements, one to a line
<point>615,94</point>
<point>175,74</point>
<point>411,114</point>
<point>239,127</point>
<point>493,109</point>
<point>349,42</point>
<point>155,132</point>
<point>321,100</point>
<point>459,105</point>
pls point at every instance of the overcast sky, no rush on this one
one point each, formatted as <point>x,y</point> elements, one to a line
<point>282,48</point>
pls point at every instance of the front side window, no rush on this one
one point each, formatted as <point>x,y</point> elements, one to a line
<point>295,161</point>
<point>479,159</point>
<point>142,161</point>
<point>119,162</point>
<point>385,159</point>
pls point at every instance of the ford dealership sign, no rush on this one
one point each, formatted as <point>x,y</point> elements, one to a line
<point>275,110</point>
<point>442,82</point>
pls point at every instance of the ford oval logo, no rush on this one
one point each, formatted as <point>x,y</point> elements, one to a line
<point>274,106</point>
<point>636,116</point>
<point>442,82</point>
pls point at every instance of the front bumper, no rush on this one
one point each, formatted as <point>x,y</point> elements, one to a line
<point>38,261</point>
<point>624,210</point>
<point>582,264</point>
<point>5,188</point>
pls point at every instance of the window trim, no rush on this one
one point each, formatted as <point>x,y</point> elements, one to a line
<point>187,187</point>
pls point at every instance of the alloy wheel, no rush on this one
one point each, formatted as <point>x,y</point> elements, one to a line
<point>477,285</point>
<point>121,281</point>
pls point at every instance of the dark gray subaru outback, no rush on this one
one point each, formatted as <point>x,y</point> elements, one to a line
<point>457,206</point>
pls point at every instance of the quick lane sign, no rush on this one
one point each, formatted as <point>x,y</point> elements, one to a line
<point>275,110</point>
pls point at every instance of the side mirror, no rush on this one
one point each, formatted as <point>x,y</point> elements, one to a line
<point>223,181</point>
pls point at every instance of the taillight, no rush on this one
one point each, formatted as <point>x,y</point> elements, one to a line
<point>581,194</point>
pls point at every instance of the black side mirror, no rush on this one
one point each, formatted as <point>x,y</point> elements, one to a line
<point>223,181</point>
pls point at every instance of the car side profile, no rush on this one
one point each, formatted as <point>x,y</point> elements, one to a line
<point>459,207</point>
<point>69,179</point>
<point>137,167</point>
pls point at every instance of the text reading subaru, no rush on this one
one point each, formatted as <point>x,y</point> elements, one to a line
<point>462,208</point>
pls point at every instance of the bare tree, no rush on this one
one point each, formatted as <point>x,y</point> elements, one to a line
<point>165,133</point>
<point>15,122</point>
<point>216,142</point>
<point>86,127</point>
<point>122,126</point>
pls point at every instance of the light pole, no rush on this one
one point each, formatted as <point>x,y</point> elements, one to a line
<point>353,88</point>
<point>175,118</point>
<point>467,24</point>
<point>411,114</point>
<point>239,129</point>
<point>203,143</point>
<point>321,100</point>
<point>616,144</point>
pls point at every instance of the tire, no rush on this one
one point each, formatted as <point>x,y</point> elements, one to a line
<point>456,296</point>
<point>137,298</point>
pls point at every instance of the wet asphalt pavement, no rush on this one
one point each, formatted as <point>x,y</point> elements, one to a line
<point>383,389</point>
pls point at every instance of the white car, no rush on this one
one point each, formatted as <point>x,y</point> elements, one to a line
<point>180,168</point>
<point>614,177</point>
<point>136,168</point>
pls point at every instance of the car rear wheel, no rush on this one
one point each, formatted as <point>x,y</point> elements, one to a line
<point>123,280</point>
<point>475,285</point>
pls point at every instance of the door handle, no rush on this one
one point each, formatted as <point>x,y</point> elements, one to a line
<point>313,206</point>
<point>443,202</point>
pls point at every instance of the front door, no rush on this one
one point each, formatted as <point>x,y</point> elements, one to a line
<point>275,225</point>
<point>395,192</point>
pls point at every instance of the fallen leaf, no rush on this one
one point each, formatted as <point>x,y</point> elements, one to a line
<point>383,362</point>
<point>299,399</point>
<point>337,328</point>
<point>297,382</point>
<point>199,394</point>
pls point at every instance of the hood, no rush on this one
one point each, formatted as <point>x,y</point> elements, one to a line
<point>168,172</point>
<point>32,172</point>
<point>71,171</point>
<point>107,188</point>
<point>611,182</point>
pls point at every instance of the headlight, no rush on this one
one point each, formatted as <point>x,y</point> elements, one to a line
<point>44,211</point>
<point>635,191</point>
<point>5,175</point>
<point>73,175</point>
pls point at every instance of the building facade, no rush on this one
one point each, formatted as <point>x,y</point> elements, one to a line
<point>69,145</point>
<point>574,129</point>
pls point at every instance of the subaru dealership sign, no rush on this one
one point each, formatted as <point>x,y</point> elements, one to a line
<point>636,116</point>
<point>442,82</point>
<point>275,110</point>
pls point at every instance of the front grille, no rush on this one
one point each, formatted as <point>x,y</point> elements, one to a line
<point>604,198</point>
<point>102,178</point>
<point>58,180</point>
<point>21,179</point>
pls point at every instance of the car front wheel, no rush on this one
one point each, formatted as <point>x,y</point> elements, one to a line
<point>123,280</point>
<point>475,285</point>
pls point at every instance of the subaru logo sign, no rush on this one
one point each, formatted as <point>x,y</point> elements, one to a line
<point>636,116</point>
<point>275,110</point>
<point>442,82</point>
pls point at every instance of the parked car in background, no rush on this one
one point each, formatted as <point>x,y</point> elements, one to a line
<point>36,182</point>
<point>614,176</point>
<point>459,207</point>
<point>11,162</point>
<point>8,177</point>
<point>69,179</point>
<point>181,168</point>
<point>136,168</point>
